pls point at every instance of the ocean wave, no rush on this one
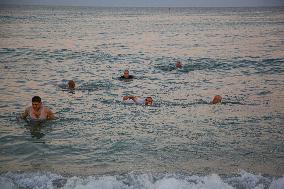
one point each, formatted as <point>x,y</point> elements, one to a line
<point>247,66</point>
<point>48,180</point>
<point>244,66</point>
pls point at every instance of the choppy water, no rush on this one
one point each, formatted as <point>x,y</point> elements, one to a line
<point>182,141</point>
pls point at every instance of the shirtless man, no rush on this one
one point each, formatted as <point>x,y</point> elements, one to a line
<point>147,101</point>
<point>37,111</point>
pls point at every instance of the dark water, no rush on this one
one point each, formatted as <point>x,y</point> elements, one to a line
<point>182,141</point>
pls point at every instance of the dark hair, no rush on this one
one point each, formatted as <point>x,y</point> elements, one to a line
<point>71,84</point>
<point>36,99</point>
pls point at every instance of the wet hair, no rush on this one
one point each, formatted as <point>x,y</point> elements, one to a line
<point>217,99</point>
<point>36,99</point>
<point>71,84</point>
<point>149,97</point>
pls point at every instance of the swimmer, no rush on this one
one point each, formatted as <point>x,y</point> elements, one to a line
<point>126,75</point>
<point>37,111</point>
<point>71,84</point>
<point>178,64</point>
<point>147,101</point>
<point>217,99</point>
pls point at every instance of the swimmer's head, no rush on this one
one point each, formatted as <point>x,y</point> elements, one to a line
<point>126,73</point>
<point>36,102</point>
<point>178,64</point>
<point>148,101</point>
<point>217,99</point>
<point>36,99</point>
<point>71,84</point>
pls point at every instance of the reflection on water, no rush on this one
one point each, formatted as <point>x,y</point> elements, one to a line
<point>35,128</point>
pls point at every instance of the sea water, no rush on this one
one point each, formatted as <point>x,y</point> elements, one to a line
<point>182,141</point>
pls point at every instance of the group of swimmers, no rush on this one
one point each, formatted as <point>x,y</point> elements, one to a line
<point>40,112</point>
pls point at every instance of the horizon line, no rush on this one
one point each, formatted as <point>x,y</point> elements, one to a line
<point>130,6</point>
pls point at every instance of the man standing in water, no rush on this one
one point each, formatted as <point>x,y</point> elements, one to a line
<point>37,112</point>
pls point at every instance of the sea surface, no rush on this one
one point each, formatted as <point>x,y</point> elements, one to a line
<point>182,141</point>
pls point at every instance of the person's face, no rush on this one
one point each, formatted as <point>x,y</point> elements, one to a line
<point>148,101</point>
<point>36,105</point>
<point>126,74</point>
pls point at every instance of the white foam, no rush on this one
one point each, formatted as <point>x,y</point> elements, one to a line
<point>277,184</point>
<point>138,181</point>
<point>105,182</point>
<point>7,183</point>
<point>31,180</point>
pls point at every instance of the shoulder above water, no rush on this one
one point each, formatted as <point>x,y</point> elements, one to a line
<point>129,77</point>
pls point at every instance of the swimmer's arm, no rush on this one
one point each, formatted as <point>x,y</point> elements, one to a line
<point>134,98</point>
<point>25,114</point>
<point>50,114</point>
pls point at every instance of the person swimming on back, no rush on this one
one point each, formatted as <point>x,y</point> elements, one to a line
<point>37,112</point>
<point>126,75</point>
<point>147,101</point>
